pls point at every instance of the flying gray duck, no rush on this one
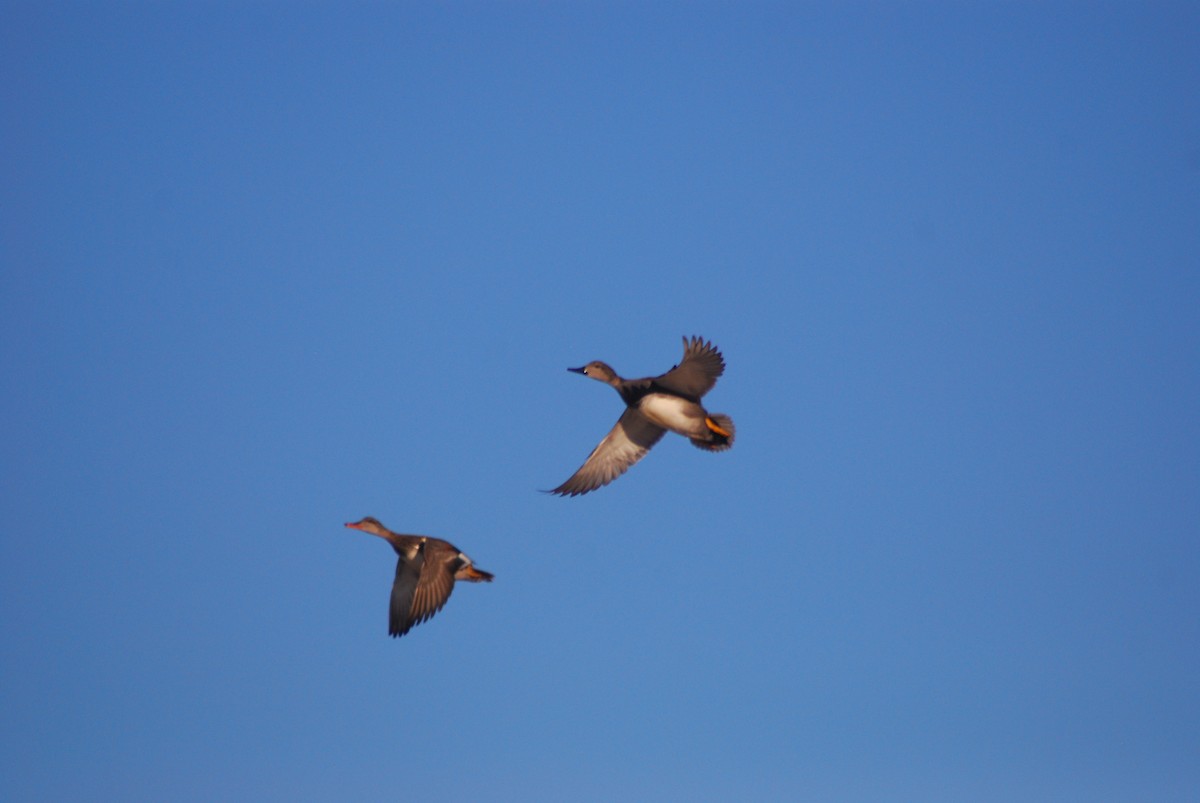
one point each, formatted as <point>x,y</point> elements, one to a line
<point>425,574</point>
<point>652,406</point>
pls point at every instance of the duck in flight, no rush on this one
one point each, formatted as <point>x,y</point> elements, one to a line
<point>425,574</point>
<point>653,406</point>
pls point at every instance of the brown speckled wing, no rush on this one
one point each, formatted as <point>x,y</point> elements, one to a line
<point>697,372</point>
<point>626,444</point>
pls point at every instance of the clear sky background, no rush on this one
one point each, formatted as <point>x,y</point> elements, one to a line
<point>272,267</point>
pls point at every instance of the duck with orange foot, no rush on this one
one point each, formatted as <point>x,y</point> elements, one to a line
<point>654,406</point>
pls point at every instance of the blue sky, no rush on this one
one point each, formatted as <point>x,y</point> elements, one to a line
<point>269,268</point>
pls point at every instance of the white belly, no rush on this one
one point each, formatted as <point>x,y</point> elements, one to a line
<point>673,413</point>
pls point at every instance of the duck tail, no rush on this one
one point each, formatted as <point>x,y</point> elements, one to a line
<point>720,433</point>
<point>474,575</point>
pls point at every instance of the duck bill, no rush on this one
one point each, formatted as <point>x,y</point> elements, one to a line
<point>354,525</point>
<point>577,370</point>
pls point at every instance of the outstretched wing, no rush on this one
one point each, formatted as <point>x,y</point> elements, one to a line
<point>404,588</point>
<point>437,580</point>
<point>626,444</point>
<point>697,372</point>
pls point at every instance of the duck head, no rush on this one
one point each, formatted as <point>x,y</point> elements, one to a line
<point>598,371</point>
<point>370,525</point>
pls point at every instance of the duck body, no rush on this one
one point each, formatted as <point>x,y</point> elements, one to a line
<point>653,407</point>
<point>426,571</point>
<point>674,412</point>
<point>679,415</point>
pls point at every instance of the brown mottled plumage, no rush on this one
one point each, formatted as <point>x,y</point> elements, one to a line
<point>425,574</point>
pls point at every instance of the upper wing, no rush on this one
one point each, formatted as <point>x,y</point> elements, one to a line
<point>628,441</point>
<point>697,372</point>
<point>404,588</point>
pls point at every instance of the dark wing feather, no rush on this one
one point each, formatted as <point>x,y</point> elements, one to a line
<point>696,373</point>
<point>623,446</point>
<point>404,588</point>
<point>437,581</point>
